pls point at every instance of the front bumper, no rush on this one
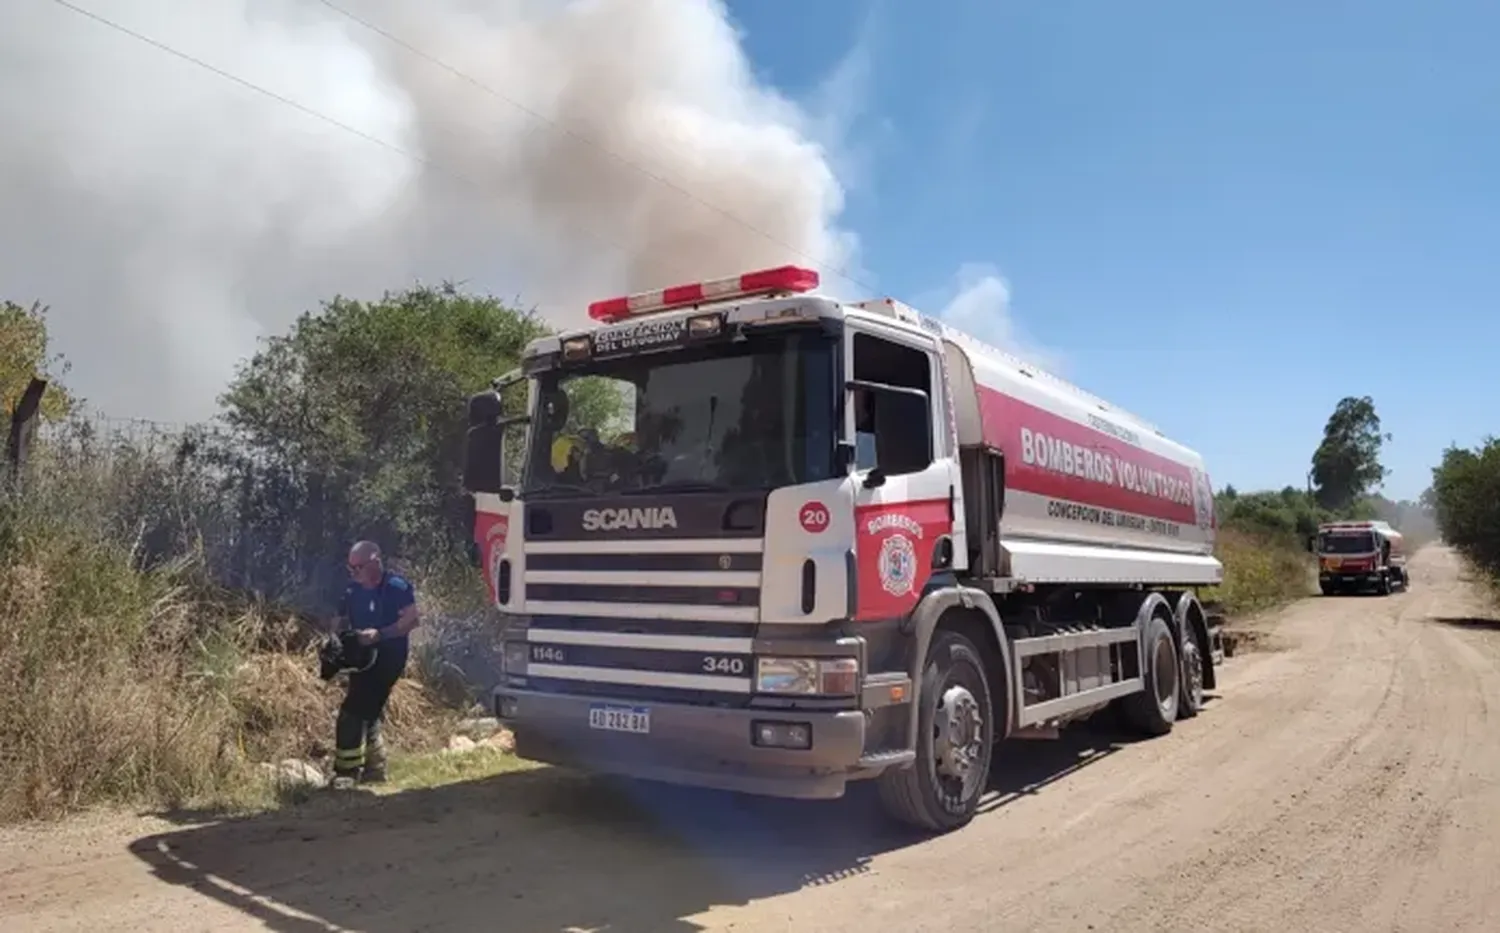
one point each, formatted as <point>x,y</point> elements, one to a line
<point>700,746</point>
<point>1349,576</point>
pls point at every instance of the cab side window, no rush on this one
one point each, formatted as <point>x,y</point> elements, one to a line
<point>892,428</point>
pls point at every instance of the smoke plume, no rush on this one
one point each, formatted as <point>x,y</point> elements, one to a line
<point>550,151</point>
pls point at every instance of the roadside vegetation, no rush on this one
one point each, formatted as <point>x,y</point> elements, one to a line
<point>164,586</point>
<point>1465,496</point>
<point>1263,535</point>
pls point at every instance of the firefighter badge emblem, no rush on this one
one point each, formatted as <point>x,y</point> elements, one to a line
<point>898,565</point>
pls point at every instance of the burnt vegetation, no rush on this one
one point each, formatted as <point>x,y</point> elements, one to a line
<point>164,583</point>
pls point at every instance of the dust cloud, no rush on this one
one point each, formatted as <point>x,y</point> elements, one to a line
<point>553,153</point>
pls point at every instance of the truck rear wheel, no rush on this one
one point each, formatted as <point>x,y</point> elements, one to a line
<point>955,740</point>
<point>1154,710</point>
<point>1192,675</point>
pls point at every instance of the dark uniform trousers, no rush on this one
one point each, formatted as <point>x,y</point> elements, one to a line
<point>359,745</point>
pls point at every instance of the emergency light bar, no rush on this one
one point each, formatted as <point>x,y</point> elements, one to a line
<point>767,281</point>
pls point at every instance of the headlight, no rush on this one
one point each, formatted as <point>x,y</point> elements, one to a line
<point>807,676</point>
<point>513,657</point>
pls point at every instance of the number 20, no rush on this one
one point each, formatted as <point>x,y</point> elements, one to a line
<point>712,665</point>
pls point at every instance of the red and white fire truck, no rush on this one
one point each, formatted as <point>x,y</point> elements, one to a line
<point>759,539</point>
<point>1367,555</point>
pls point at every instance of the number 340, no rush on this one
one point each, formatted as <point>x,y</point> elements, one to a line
<point>719,665</point>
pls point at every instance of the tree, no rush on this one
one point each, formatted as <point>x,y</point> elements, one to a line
<point>352,426</point>
<point>1283,513</point>
<point>1346,465</point>
<point>1466,495</point>
<point>24,355</point>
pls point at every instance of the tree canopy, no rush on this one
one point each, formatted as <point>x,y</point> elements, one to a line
<point>1466,496</point>
<point>24,355</point>
<point>352,425</point>
<point>1346,465</point>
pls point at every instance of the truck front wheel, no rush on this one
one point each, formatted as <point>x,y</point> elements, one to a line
<point>955,740</point>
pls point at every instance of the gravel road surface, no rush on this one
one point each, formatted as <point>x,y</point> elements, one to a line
<point>1346,777</point>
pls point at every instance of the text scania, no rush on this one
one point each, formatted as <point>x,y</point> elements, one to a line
<point>654,518</point>
<point>1060,456</point>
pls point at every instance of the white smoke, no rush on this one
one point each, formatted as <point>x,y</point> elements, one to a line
<point>171,216</point>
<point>979,304</point>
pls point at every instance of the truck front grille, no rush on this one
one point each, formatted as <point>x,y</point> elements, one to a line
<point>669,659</point>
<point>661,619</point>
<point>716,580</point>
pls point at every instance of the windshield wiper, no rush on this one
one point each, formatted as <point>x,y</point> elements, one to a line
<point>686,485</point>
<point>552,488</point>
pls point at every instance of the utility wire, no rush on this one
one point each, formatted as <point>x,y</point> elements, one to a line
<point>416,156</point>
<point>162,46</point>
<point>303,108</point>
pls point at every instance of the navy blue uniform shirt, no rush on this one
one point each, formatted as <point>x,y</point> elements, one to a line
<point>378,608</point>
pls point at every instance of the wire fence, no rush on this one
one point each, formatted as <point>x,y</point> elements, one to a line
<point>111,432</point>
<point>256,518</point>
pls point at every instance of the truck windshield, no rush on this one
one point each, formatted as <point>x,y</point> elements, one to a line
<point>755,414</point>
<point>1346,544</point>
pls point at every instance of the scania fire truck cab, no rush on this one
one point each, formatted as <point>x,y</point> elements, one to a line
<point>762,540</point>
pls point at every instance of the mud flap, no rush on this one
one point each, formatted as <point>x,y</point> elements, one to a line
<point>1216,639</point>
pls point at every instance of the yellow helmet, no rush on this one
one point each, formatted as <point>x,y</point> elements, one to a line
<point>562,452</point>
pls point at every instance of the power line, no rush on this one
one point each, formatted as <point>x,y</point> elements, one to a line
<point>554,125</point>
<point>414,156</point>
<point>228,76</point>
<point>302,108</point>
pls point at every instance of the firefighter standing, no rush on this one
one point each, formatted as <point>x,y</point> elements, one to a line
<point>380,608</point>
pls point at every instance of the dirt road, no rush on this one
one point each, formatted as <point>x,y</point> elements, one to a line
<point>1347,780</point>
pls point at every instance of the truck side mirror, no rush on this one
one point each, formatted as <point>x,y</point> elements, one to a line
<point>843,458</point>
<point>482,458</point>
<point>483,444</point>
<point>900,420</point>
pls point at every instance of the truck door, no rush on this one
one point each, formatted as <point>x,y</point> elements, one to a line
<point>907,515</point>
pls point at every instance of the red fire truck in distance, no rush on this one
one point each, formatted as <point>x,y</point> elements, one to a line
<point>1360,556</point>
<point>826,542</point>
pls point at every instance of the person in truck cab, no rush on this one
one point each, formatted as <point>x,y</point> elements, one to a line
<point>380,608</point>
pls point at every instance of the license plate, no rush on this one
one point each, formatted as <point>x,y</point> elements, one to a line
<point>635,719</point>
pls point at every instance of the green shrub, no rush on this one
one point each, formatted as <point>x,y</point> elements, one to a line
<point>1261,571</point>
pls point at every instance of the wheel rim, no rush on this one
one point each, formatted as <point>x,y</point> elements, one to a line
<point>958,740</point>
<point>1166,674</point>
<point>1192,664</point>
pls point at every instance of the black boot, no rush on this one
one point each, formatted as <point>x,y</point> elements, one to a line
<point>375,755</point>
<point>349,750</point>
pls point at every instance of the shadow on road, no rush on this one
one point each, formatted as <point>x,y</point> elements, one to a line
<point>1468,622</point>
<point>549,850</point>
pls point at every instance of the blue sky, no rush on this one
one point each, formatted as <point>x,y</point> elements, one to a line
<point>1224,217</point>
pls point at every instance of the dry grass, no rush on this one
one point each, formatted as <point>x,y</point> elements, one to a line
<point>124,686</point>
<point>1261,572</point>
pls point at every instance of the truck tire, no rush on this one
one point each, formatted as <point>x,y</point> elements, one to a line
<point>1191,661</point>
<point>1154,710</point>
<point>1384,586</point>
<point>955,741</point>
<point>1327,588</point>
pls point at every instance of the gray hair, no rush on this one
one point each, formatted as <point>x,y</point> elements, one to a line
<point>365,550</point>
